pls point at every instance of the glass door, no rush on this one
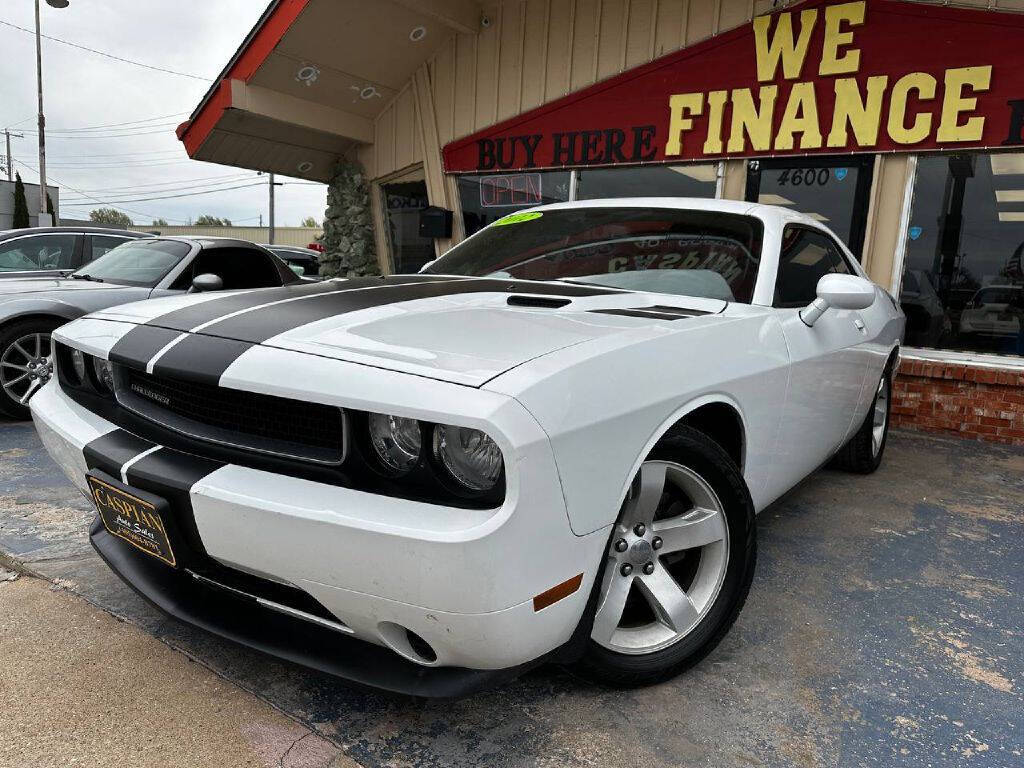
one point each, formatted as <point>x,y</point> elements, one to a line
<point>403,201</point>
<point>835,190</point>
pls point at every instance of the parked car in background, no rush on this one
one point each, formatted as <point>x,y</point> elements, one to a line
<point>136,269</point>
<point>551,445</point>
<point>928,322</point>
<point>51,251</point>
<point>995,314</point>
<point>305,262</point>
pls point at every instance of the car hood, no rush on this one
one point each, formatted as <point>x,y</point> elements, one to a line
<point>51,284</point>
<point>462,330</point>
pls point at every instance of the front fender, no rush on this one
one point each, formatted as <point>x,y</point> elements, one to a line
<point>19,307</point>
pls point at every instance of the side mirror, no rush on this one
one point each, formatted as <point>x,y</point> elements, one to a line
<point>839,292</point>
<point>207,282</point>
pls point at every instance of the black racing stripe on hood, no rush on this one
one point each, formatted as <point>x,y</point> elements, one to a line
<point>140,344</point>
<point>200,358</point>
<point>257,328</point>
<point>187,318</point>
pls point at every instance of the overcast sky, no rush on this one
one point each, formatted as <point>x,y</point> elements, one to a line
<point>83,90</point>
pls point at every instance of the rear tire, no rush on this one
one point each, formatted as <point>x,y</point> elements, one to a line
<point>25,363</point>
<point>678,567</point>
<point>863,453</point>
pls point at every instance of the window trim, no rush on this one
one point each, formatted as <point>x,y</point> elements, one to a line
<point>778,269</point>
<point>899,261</point>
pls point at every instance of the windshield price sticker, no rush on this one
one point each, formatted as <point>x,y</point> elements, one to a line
<point>518,218</point>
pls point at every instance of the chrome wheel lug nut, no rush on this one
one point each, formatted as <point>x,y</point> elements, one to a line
<point>657,542</point>
<point>648,568</point>
<point>640,529</point>
<point>621,545</point>
<point>626,569</point>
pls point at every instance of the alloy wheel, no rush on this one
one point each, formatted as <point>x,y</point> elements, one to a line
<point>667,561</point>
<point>25,366</point>
<point>880,417</point>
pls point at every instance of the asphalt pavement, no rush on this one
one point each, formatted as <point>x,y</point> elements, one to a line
<point>885,627</point>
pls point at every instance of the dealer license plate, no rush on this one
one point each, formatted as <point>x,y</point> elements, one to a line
<point>138,521</point>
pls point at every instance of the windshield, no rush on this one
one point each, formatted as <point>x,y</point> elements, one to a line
<point>138,262</point>
<point>663,250</point>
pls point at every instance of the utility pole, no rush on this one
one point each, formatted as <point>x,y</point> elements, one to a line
<point>8,159</point>
<point>271,236</point>
<point>44,216</point>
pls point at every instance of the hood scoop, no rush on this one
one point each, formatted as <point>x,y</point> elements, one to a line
<point>540,302</point>
<point>657,312</point>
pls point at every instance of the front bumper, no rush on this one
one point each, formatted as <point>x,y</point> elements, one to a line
<point>462,580</point>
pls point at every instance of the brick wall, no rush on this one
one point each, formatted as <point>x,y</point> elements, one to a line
<point>960,399</point>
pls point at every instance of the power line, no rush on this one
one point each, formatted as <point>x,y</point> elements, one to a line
<point>109,55</point>
<point>94,199</point>
<point>117,125</point>
<point>186,194</point>
<point>230,177</point>
<point>163,129</point>
<point>129,196</point>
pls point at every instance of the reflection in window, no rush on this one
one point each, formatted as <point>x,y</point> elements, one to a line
<point>486,199</point>
<point>963,287</point>
<point>648,181</point>
<point>409,249</point>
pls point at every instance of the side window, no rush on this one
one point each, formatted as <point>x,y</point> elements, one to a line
<point>103,243</point>
<point>806,256</point>
<point>38,252</point>
<point>237,267</point>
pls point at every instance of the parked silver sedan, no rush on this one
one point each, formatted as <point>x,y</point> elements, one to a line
<point>30,309</point>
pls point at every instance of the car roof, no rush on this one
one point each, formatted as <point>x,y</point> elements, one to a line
<point>7,233</point>
<point>211,241</point>
<point>739,207</point>
<point>292,248</point>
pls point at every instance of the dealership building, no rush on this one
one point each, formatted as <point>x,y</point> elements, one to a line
<point>898,124</point>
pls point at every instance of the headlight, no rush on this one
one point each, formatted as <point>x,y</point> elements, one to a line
<point>396,441</point>
<point>104,371</point>
<point>470,456</point>
<point>78,365</point>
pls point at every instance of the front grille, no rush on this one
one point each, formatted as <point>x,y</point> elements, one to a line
<point>262,423</point>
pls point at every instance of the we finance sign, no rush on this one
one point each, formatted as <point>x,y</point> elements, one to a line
<point>821,77</point>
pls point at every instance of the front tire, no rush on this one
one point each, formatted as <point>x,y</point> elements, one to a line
<point>863,453</point>
<point>25,364</point>
<point>679,565</point>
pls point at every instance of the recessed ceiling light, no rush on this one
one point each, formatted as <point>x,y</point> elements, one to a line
<point>1010,195</point>
<point>369,92</point>
<point>1009,163</point>
<point>1011,215</point>
<point>771,199</point>
<point>698,172</point>
<point>417,34</point>
<point>305,166</point>
<point>307,74</point>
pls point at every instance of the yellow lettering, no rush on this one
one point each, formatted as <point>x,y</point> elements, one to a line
<point>800,116</point>
<point>716,105</point>
<point>863,115</point>
<point>782,47</point>
<point>924,84</point>
<point>683,107</point>
<point>835,17</point>
<point>977,79</point>
<point>748,120</point>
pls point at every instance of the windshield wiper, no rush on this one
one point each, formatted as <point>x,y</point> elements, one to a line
<point>90,278</point>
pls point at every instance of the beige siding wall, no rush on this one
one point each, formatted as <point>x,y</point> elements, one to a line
<point>538,50</point>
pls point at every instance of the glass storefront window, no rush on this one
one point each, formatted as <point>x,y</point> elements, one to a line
<point>648,181</point>
<point>403,202</point>
<point>963,287</point>
<point>486,199</point>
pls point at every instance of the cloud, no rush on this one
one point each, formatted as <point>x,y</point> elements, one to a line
<point>84,89</point>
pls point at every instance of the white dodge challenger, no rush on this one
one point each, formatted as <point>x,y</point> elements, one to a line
<point>550,445</point>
